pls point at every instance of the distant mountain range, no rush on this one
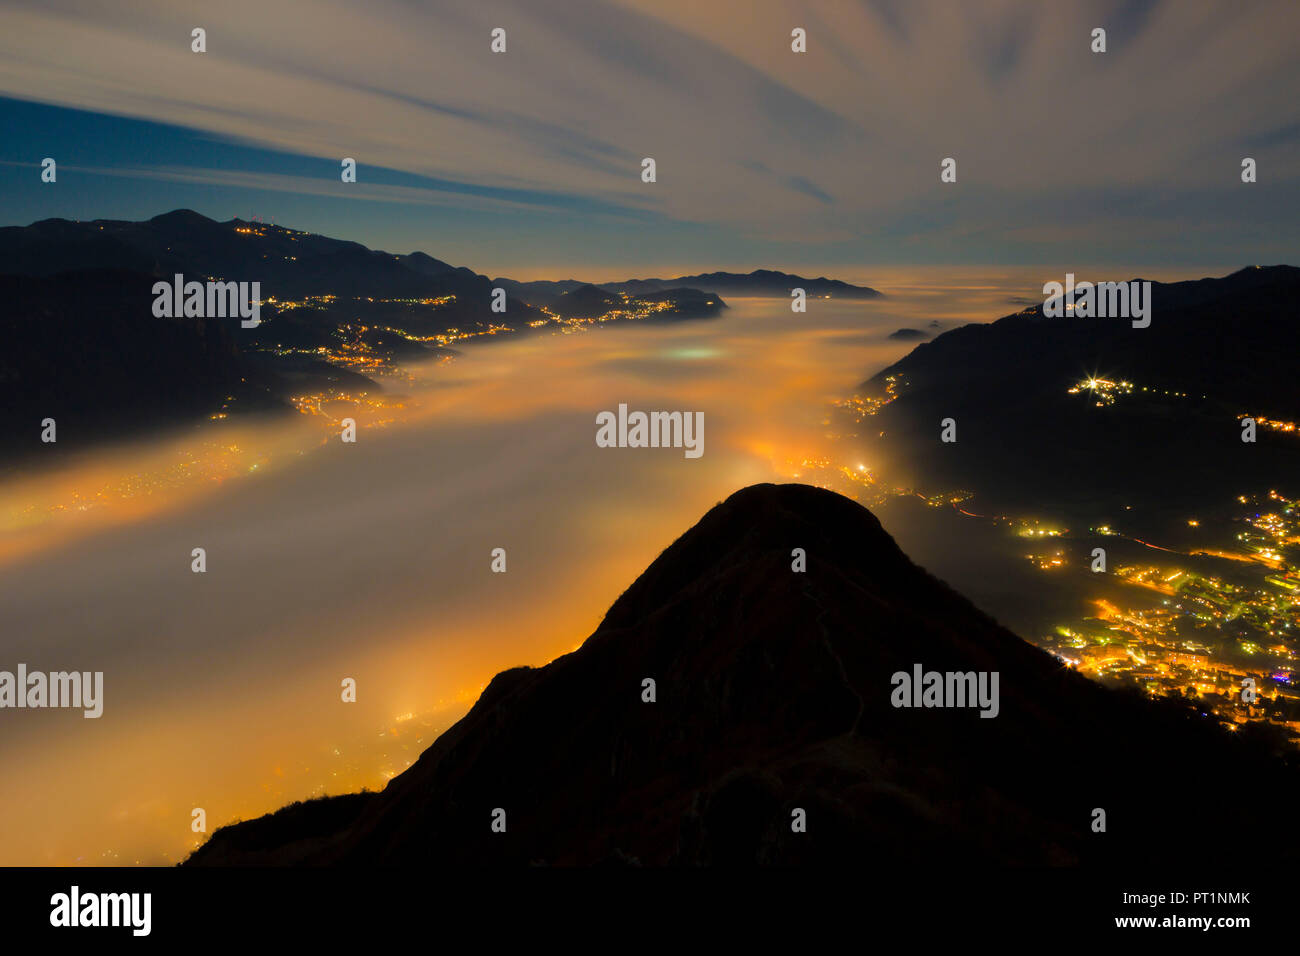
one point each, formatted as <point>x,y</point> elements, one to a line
<point>1031,431</point>
<point>761,282</point>
<point>292,264</point>
<point>83,345</point>
<point>289,264</point>
<point>774,694</point>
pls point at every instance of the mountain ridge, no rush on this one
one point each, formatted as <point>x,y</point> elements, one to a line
<point>354,269</point>
<point>1216,349</point>
<point>760,282</point>
<point>325,303</point>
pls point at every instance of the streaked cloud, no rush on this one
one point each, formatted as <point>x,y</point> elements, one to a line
<point>837,146</point>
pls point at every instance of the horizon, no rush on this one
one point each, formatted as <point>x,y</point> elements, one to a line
<point>901,271</point>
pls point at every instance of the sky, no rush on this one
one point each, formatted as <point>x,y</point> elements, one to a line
<point>528,163</point>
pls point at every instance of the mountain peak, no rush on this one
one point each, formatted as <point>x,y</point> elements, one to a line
<point>773,692</point>
<point>182,217</point>
<point>755,524</point>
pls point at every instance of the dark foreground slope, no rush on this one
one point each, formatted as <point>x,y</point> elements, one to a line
<point>774,694</point>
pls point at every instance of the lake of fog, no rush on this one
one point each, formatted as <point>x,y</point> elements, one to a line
<point>372,560</point>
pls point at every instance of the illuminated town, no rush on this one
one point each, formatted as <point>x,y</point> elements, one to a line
<point>1106,392</point>
<point>860,407</point>
<point>376,396</point>
<point>1204,636</point>
<point>1176,631</point>
<point>1200,624</point>
<point>376,351</point>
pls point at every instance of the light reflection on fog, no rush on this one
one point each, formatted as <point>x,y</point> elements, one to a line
<point>371,561</point>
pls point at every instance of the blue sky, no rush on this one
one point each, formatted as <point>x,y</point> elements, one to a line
<point>528,163</point>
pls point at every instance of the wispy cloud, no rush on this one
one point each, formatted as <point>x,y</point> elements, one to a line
<point>448,195</point>
<point>748,136</point>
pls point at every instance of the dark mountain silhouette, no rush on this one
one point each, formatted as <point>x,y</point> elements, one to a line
<point>84,349</point>
<point>542,291</point>
<point>590,300</point>
<point>765,282</point>
<point>291,264</point>
<point>760,282</point>
<point>1216,349</point>
<point>586,300</point>
<point>288,263</point>
<point>428,265</point>
<point>686,303</point>
<point>82,344</point>
<point>774,693</point>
